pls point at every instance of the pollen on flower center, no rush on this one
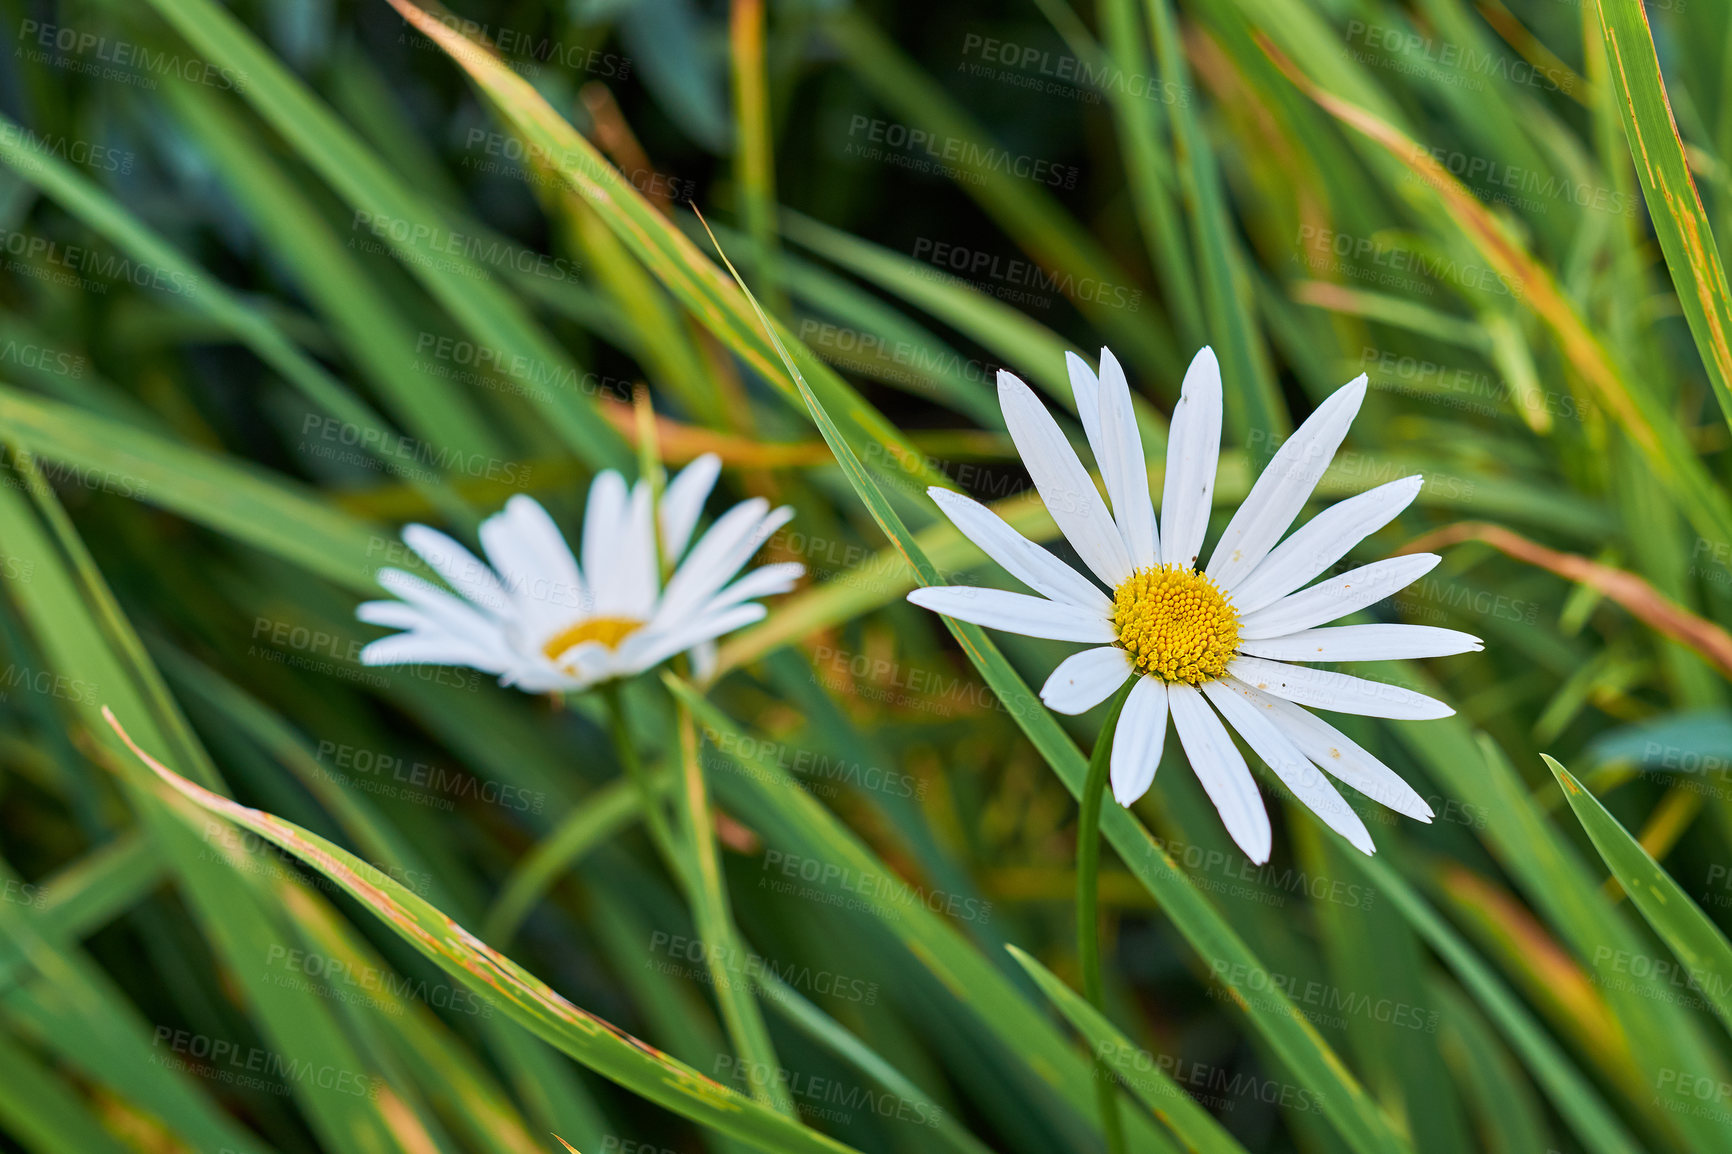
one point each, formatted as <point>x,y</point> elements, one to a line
<point>610,631</point>
<point>1176,624</point>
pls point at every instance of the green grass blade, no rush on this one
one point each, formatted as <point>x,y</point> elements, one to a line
<point>431,247</point>
<point>1687,931</point>
<point>1674,205</point>
<point>230,496</point>
<point>1165,1098</point>
<point>1576,1099</point>
<point>588,1039</point>
<point>608,811</point>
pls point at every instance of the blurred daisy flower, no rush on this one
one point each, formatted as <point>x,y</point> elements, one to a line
<point>1210,643</point>
<point>532,616</point>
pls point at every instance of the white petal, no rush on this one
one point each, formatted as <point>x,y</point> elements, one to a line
<point>646,648</point>
<point>1137,744</point>
<point>1364,643</point>
<point>558,567</point>
<point>1295,770</point>
<point>546,594</point>
<point>1016,613</point>
<point>1021,558</point>
<point>543,679</point>
<point>1338,596</point>
<point>462,570</point>
<point>1193,447</point>
<point>1086,388</point>
<point>719,554</point>
<point>1065,487</point>
<point>1218,765</point>
<point>1084,680</point>
<point>1336,692</point>
<point>635,582</point>
<point>1285,486</point>
<point>429,649</point>
<point>683,503</point>
<point>1123,468</point>
<point>606,522</point>
<point>766,581</point>
<point>1337,754</point>
<point>1322,541</point>
<point>393,615</point>
<point>704,659</point>
<point>443,611</point>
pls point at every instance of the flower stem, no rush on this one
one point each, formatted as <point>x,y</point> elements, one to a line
<point>648,795</point>
<point>1088,852</point>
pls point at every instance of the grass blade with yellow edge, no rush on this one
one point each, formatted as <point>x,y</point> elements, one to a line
<point>597,1044</point>
<point>1674,205</point>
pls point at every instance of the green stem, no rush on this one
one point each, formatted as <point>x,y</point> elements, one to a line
<point>648,798</point>
<point>741,1015</point>
<point>1088,853</point>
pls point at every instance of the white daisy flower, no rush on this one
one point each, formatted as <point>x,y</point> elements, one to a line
<point>540,622</point>
<point>1213,642</point>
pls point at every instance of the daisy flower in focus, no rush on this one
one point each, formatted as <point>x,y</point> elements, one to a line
<point>1224,641</point>
<point>541,622</point>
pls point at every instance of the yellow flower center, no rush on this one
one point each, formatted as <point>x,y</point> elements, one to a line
<point>1176,624</point>
<point>610,631</point>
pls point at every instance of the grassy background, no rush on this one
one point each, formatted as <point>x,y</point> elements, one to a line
<point>279,277</point>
